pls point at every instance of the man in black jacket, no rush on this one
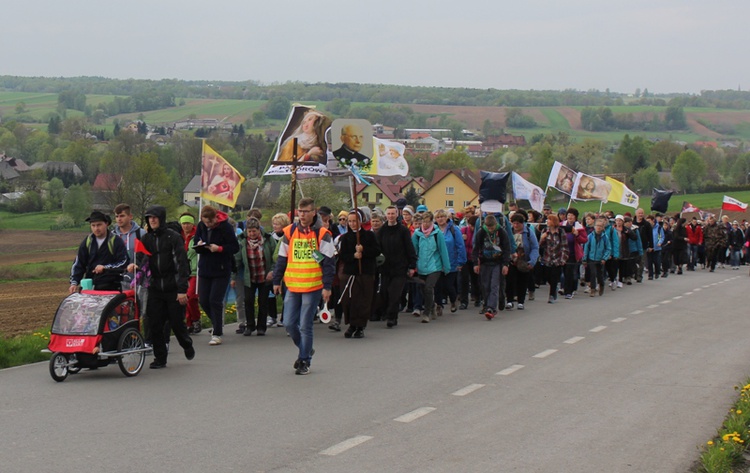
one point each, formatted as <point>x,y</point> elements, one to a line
<point>400,261</point>
<point>164,249</point>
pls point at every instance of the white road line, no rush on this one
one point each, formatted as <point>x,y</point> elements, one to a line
<point>697,289</point>
<point>676,297</point>
<point>468,389</point>
<point>652,306</point>
<point>573,340</point>
<point>598,329</point>
<point>713,284</point>
<point>665,302</point>
<point>636,312</point>
<point>545,353</point>
<point>706,286</point>
<point>619,319</point>
<point>508,371</point>
<point>414,415</point>
<point>345,445</point>
<point>688,293</point>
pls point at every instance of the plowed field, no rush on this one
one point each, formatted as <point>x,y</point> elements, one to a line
<point>30,305</point>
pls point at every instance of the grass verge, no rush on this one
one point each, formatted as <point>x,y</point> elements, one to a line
<point>35,271</point>
<point>23,349</point>
<point>724,453</point>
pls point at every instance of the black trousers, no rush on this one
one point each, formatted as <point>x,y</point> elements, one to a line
<point>391,288</point>
<point>163,307</point>
<point>250,322</point>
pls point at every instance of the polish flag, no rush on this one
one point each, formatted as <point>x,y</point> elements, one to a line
<point>733,205</point>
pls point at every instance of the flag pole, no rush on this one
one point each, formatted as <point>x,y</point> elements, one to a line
<point>601,203</point>
<point>356,212</point>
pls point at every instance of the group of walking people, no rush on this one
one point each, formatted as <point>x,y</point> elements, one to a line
<point>372,265</point>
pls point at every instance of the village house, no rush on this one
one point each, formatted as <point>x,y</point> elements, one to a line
<point>452,188</point>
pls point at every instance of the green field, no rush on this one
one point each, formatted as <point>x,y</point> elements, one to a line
<point>29,221</point>
<point>40,105</point>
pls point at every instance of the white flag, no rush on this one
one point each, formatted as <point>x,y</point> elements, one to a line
<point>523,189</point>
<point>562,178</point>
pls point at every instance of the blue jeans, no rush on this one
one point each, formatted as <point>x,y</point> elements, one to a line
<point>299,311</point>
<point>693,255</point>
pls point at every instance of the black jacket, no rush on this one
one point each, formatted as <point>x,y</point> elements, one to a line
<point>370,251</point>
<point>168,262</point>
<point>395,243</point>
<point>218,264</point>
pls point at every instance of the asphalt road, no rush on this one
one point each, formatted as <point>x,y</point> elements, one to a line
<point>633,381</point>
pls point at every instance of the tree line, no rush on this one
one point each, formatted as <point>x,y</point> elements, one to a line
<point>166,89</point>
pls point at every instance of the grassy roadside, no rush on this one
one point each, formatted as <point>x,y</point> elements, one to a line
<point>725,452</point>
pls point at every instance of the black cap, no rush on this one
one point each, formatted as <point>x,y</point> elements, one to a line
<point>401,203</point>
<point>97,216</point>
<point>323,210</point>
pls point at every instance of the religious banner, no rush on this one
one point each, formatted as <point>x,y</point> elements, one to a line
<point>308,127</point>
<point>588,187</point>
<point>220,181</point>
<point>562,178</point>
<point>389,159</point>
<point>524,190</point>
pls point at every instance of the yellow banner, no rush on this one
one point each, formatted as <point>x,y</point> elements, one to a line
<point>220,181</point>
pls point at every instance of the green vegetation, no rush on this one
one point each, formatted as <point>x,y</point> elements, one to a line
<point>702,201</point>
<point>724,453</point>
<point>29,221</point>
<point>35,271</point>
<point>23,349</point>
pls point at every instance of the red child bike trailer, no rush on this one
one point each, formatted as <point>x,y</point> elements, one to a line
<point>93,329</point>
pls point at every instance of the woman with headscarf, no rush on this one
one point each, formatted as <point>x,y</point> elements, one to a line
<point>358,252</point>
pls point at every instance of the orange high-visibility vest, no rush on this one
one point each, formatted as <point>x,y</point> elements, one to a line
<point>303,273</point>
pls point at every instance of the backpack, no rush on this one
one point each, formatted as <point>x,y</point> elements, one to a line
<point>490,250</point>
<point>110,243</point>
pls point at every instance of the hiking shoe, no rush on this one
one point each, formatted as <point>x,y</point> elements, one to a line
<point>270,321</point>
<point>454,306</point>
<point>190,353</point>
<point>303,368</point>
<point>197,327</point>
<point>463,306</point>
<point>359,333</point>
<point>416,313</point>
<point>587,290</point>
<point>619,284</point>
<point>335,326</point>
<point>490,314</point>
<point>215,340</point>
<point>551,300</point>
<point>425,319</point>
<point>592,293</point>
<point>520,306</point>
<point>531,295</point>
<point>350,331</point>
<point>156,365</point>
<point>509,306</point>
<point>390,323</point>
<point>568,296</point>
<point>240,329</point>
<point>601,290</point>
<point>297,362</point>
<point>438,311</point>
<point>248,331</point>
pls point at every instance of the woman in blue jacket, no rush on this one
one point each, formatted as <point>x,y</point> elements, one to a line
<point>447,287</point>
<point>432,261</point>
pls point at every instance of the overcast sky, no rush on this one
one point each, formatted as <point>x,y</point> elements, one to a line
<point>664,45</point>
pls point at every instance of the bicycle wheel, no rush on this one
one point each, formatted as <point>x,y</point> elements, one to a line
<point>131,363</point>
<point>58,366</point>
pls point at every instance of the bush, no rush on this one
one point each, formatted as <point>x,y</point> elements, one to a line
<point>62,222</point>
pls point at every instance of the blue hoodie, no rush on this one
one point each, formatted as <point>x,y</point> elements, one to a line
<point>432,254</point>
<point>454,243</point>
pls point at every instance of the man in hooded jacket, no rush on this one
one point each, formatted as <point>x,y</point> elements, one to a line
<point>170,271</point>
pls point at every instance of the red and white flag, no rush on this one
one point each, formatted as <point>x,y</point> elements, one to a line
<point>733,205</point>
